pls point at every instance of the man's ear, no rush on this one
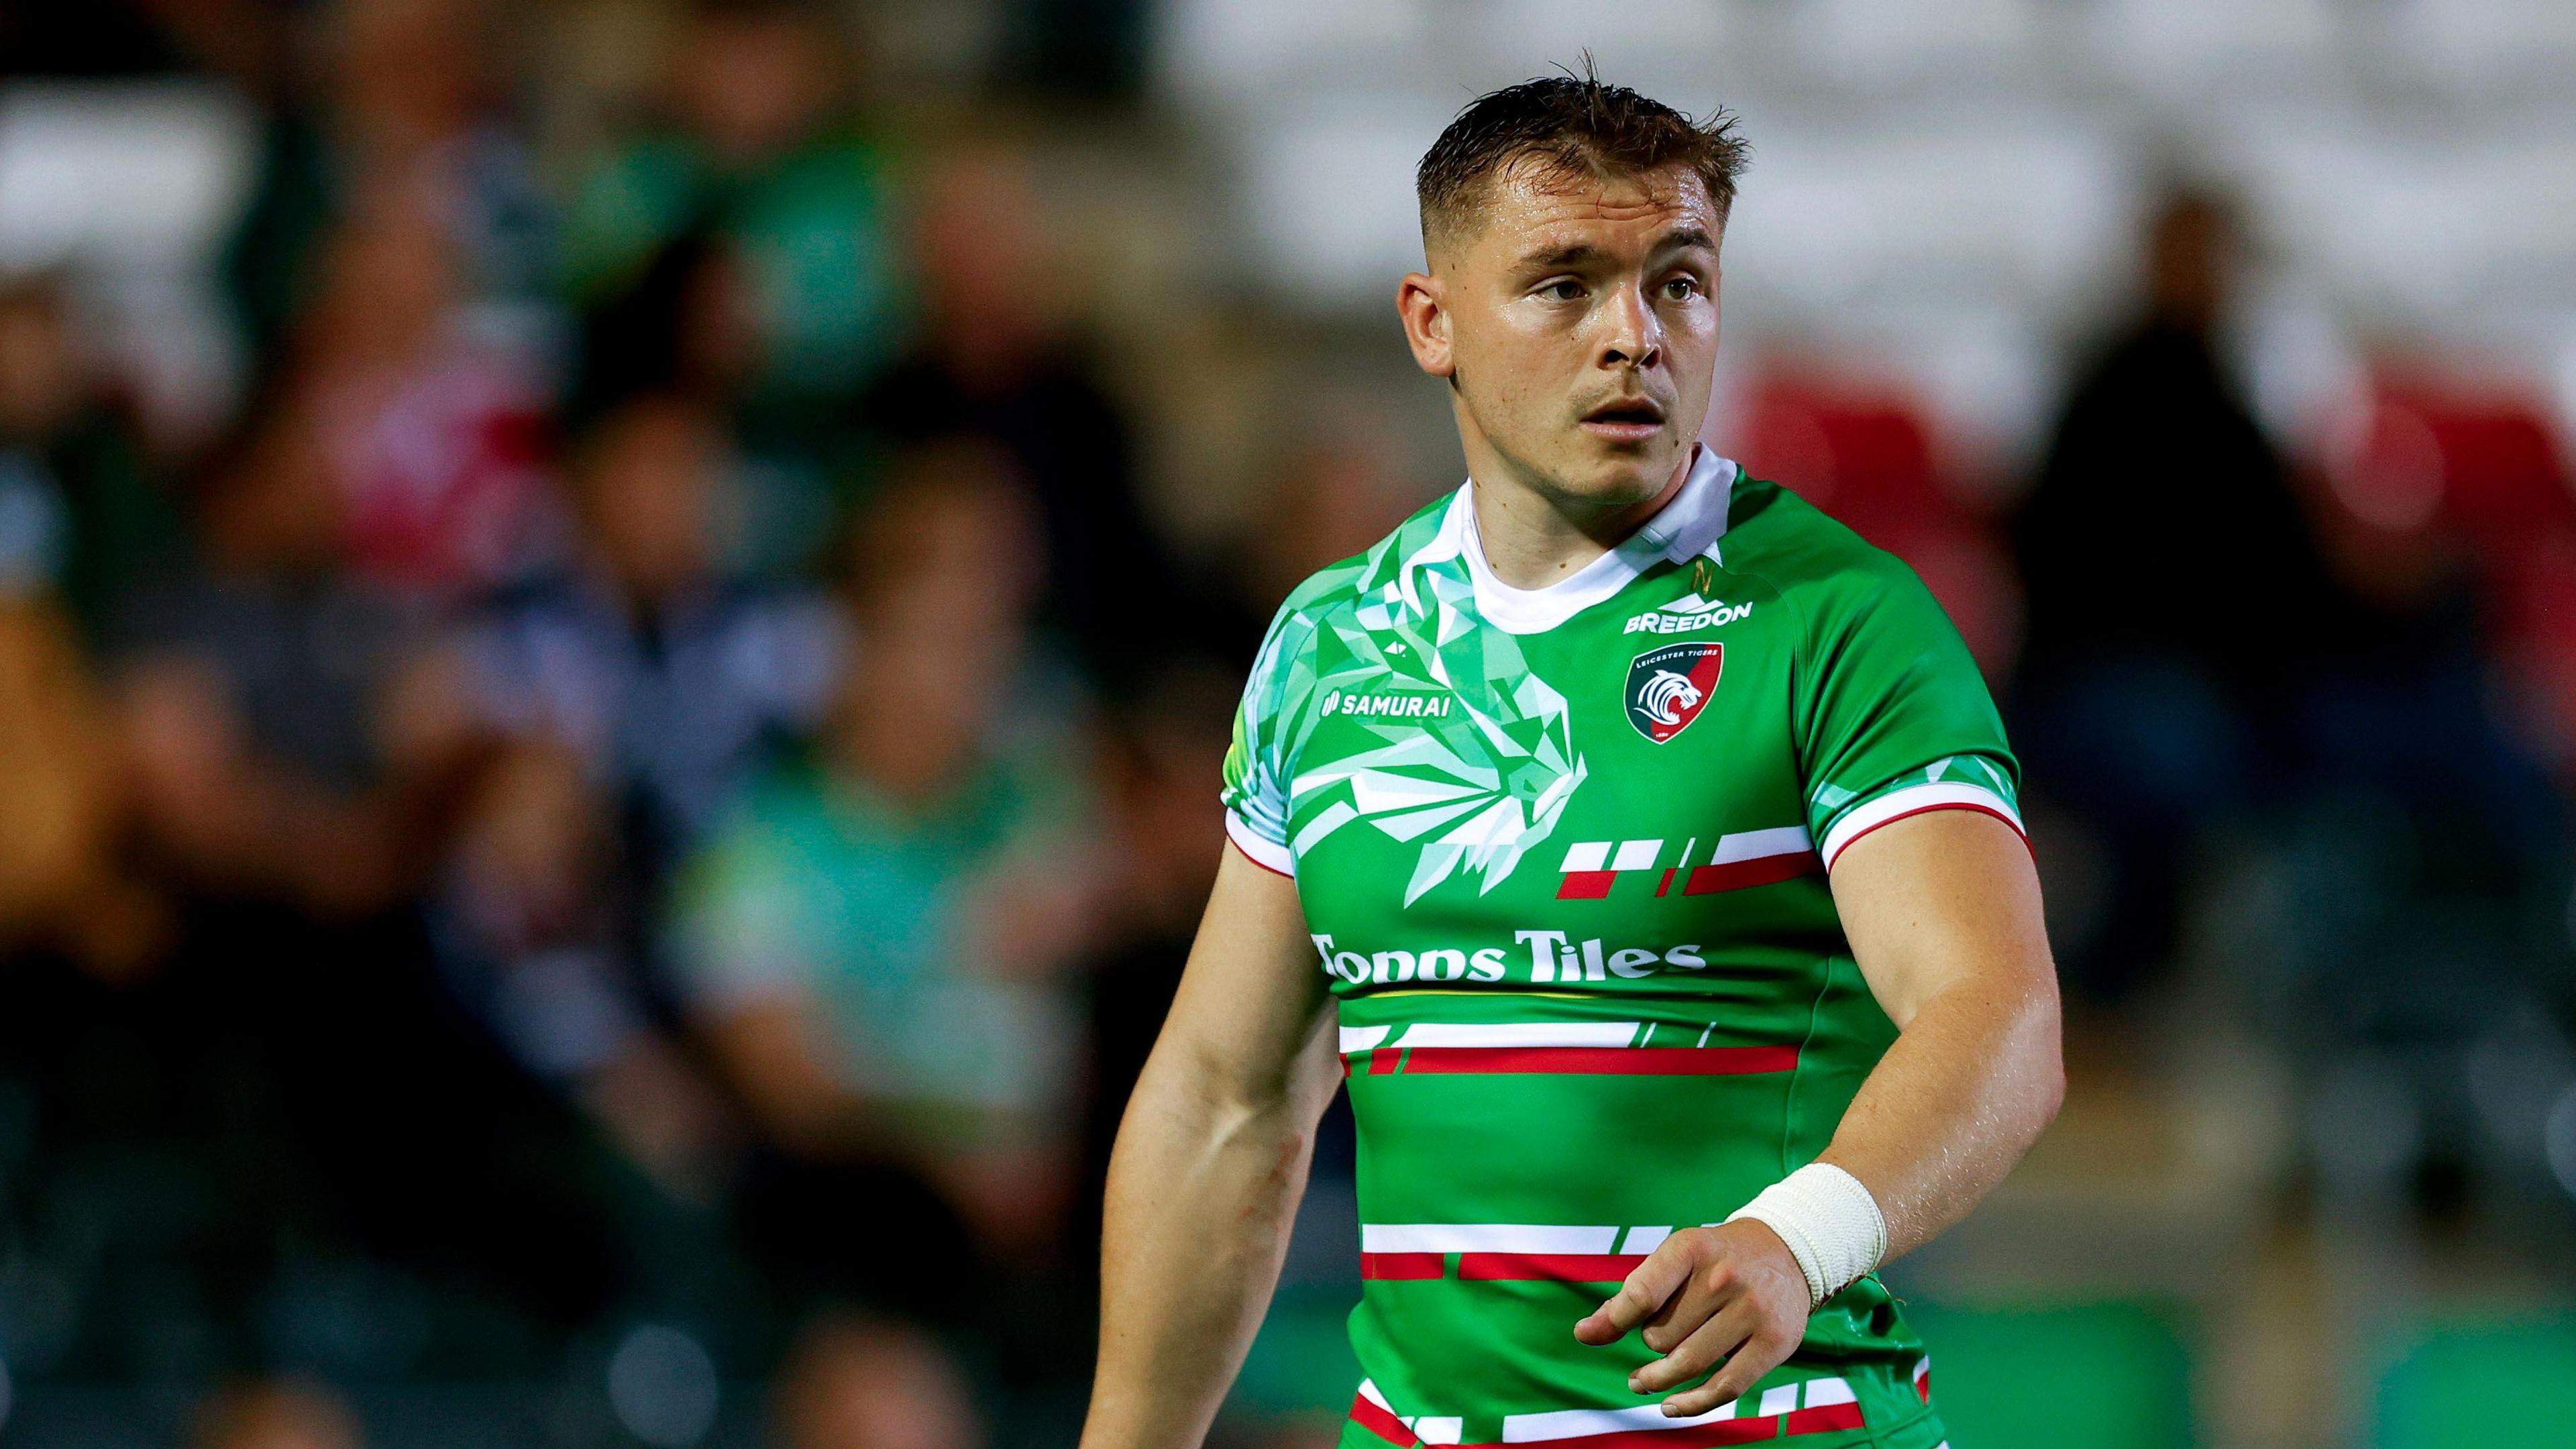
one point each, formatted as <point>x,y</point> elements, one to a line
<point>1422,301</point>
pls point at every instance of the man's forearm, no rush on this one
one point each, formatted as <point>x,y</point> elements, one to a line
<point>1202,1192</point>
<point>1970,1084</point>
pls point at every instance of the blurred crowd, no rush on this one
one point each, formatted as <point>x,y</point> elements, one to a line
<point>657,762</point>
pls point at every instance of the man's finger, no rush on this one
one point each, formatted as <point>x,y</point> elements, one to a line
<point>1753,1358</point>
<point>1733,1323</point>
<point>1647,1286</point>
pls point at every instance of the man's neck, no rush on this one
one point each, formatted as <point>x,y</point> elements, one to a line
<point>1532,539</point>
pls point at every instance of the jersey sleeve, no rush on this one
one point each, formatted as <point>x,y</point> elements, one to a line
<point>1256,764</point>
<point>1897,720</point>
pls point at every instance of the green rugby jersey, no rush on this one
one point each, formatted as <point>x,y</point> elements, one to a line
<point>1563,853</point>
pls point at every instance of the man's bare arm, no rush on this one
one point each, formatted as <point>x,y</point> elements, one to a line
<point>1210,1164</point>
<point>1943,915</point>
<point>1944,918</point>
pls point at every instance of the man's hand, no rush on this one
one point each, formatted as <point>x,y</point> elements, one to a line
<point>1703,1295</point>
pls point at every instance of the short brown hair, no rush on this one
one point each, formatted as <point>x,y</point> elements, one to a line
<point>1575,126</point>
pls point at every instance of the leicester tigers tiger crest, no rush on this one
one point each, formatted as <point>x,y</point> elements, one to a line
<point>1668,687</point>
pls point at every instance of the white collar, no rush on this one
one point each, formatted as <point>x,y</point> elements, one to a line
<point>1690,524</point>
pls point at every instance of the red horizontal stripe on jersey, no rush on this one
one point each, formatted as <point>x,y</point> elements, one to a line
<point>1687,1436</point>
<point>1382,1060</point>
<point>1762,870</point>
<point>1403,1267</point>
<point>1606,1061</point>
<point>1547,1267</point>
<point>1951,805</point>
<point>1826,1419</point>
<point>1586,885</point>
<point>1381,1423</point>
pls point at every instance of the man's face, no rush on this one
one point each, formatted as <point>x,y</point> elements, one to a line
<point>1577,318</point>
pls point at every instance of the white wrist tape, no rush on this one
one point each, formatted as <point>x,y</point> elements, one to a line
<point>1832,1225</point>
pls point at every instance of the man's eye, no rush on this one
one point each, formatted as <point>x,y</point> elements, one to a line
<point>1562,291</point>
<point>1681,289</point>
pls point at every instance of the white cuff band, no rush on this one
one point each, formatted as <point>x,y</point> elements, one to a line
<point>1832,1225</point>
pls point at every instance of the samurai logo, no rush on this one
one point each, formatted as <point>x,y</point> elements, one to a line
<point>1668,687</point>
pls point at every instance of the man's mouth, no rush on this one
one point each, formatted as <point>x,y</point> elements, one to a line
<point>1628,420</point>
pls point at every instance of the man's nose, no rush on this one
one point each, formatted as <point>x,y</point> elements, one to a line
<point>1635,336</point>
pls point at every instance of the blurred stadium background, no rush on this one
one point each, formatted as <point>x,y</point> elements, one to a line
<point>585,854</point>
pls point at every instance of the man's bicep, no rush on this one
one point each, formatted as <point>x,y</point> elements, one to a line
<point>1940,899</point>
<point>1252,1005</point>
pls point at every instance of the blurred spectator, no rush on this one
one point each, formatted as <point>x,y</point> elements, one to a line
<point>667,678</point>
<point>81,512</point>
<point>754,147</point>
<point>392,94</point>
<point>294,757</point>
<point>527,921</point>
<point>637,692</point>
<point>2155,427</point>
<point>2176,601</point>
<point>690,328</point>
<point>64,881</point>
<point>253,685</point>
<point>431,431</point>
<point>875,942</point>
<point>857,1383</point>
<point>281,1414</point>
<point>686,326</point>
<point>996,359</point>
<point>1161,752</point>
<point>1333,497</point>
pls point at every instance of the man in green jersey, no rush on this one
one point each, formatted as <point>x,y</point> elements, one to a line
<point>1639,848</point>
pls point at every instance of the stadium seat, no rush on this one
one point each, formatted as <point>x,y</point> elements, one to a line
<point>2029,209</point>
<point>1685,52</point>
<point>2485,48</point>
<point>132,177</point>
<point>1879,45</point>
<point>2481,459</point>
<point>1218,50</point>
<point>2397,223</point>
<point>2469,1385</point>
<point>1865,455</point>
<point>1327,202</point>
<point>2112,1375</point>
<point>2176,50</point>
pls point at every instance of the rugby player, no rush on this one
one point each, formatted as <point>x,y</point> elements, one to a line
<point>1638,847</point>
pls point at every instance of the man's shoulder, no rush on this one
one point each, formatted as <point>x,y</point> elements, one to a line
<point>1804,552</point>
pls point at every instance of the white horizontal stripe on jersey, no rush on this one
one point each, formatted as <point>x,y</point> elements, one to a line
<point>1429,1428</point>
<point>1822,1393</point>
<point>1263,852</point>
<point>1938,795</point>
<point>1361,1038</point>
<point>1757,844</point>
<point>1519,1034</point>
<point>1485,1238</point>
<point>1644,1240</point>
<point>1586,855</point>
<point>1576,1423</point>
<point>1781,1399</point>
<point>1636,854</point>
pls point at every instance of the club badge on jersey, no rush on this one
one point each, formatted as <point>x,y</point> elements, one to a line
<point>1669,686</point>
